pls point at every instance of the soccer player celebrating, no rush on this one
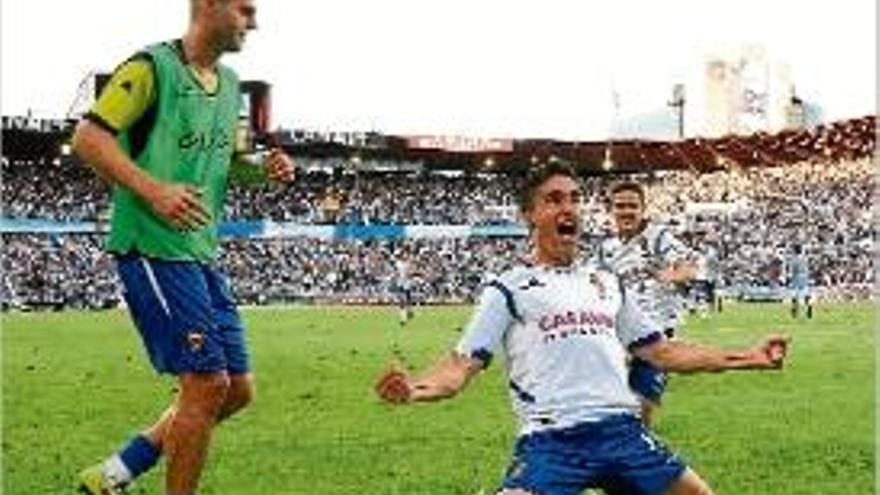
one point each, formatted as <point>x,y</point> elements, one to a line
<point>163,133</point>
<point>564,330</point>
<point>653,266</point>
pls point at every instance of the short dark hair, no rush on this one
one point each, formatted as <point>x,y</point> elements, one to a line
<point>627,185</point>
<point>539,175</point>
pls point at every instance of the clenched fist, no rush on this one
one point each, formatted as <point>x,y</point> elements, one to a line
<point>394,387</point>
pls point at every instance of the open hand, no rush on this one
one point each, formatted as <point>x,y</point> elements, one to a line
<point>180,205</point>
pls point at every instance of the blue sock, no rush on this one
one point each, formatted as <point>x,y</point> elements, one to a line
<point>139,455</point>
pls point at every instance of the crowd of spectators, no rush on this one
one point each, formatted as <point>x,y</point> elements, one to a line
<point>57,271</point>
<point>67,191</point>
<point>754,217</point>
<point>72,271</point>
<point>749,219</point>
<point>826,209</point>
<point>301,269</point>
<point>412,198</point>
<point>52,189</point>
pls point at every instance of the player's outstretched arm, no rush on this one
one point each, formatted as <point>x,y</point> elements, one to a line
<point>679,273</point>
<point>685,357</point>
<point>445,379</point>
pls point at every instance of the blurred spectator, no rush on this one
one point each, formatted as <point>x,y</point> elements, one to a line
<point>750,216</point>
<point>57,271</point>
<point>72,271</point>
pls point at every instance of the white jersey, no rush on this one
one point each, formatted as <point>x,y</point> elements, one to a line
<point>637,262</point>
<point>403,274</point>
<point>564,335</point>
<point>707,265</point>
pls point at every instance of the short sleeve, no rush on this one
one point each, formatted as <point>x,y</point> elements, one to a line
<point>126,97</point>
<point>672,249</point>
<point>634,327</point>
<point>488,324</point>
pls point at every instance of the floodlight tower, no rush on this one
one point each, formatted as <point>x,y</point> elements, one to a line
<point>677,102</point>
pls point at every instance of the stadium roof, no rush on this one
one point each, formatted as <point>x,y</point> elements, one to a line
<point>848,139</point>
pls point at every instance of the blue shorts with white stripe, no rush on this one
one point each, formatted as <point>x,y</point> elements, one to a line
<point>185,314</point>
<point>616,452</point>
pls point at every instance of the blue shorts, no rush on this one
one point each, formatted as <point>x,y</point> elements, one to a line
<point>567,461</point>
<point>647,380</point>
<point>185,314</point>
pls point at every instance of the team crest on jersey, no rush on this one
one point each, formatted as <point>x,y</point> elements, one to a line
<point>195,340</point>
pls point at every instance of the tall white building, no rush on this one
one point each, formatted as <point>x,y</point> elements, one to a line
<point>740,93</point>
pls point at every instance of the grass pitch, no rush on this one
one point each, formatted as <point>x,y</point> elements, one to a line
<point>76,385</point>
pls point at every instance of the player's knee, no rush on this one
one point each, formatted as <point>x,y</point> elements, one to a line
<point>242,393</point>
<point>690,483</point>
<point>204,393</point>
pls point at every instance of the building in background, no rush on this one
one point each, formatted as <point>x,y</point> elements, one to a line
<point>742,92</point>
<point>745,92</point>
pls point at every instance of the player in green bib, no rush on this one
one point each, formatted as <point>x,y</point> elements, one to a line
<point>163,133</point>
<point>192,146</point>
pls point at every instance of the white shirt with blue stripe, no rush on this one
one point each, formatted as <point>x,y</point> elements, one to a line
<point>563,334</point>
<point>638,260</point>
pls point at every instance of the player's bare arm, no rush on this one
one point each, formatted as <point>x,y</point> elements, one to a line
<point>685,357</point>
<point>680,272</point>
<point>178,204</point>
<point>444,380</point>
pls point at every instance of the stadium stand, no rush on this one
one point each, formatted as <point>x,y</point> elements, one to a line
<point>333,236</point>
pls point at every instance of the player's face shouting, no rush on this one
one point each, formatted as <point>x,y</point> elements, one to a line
<point>628,212</point>
<point>555,219</point>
